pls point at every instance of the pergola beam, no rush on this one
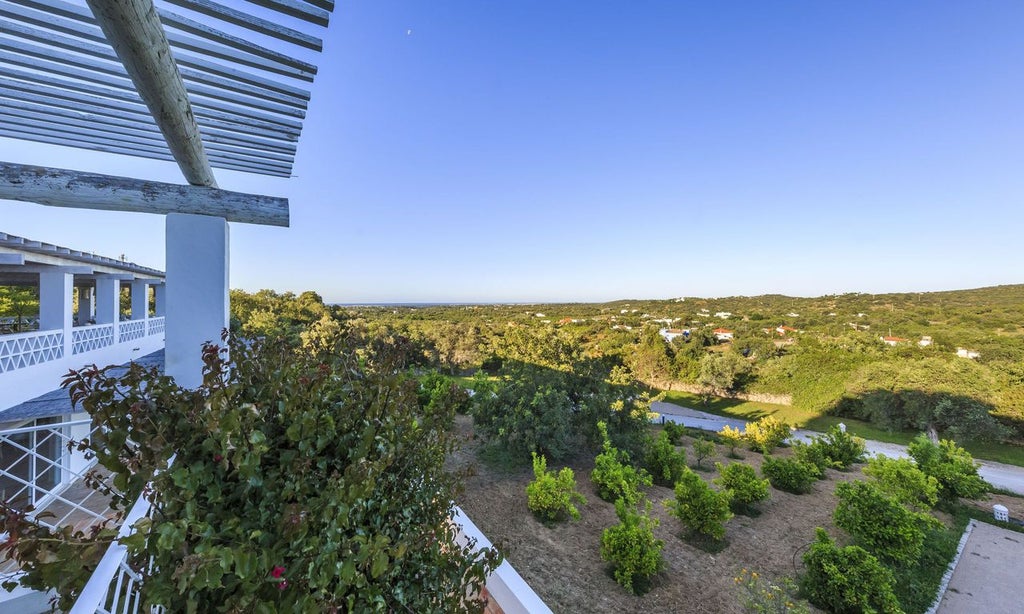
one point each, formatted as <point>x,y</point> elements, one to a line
<point>134,30</point>
<point>65,188</point>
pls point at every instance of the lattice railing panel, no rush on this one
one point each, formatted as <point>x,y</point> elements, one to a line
<point>89,338</point>
<point>156,326</point>
<point>27,349</point>
<point>131,330</point>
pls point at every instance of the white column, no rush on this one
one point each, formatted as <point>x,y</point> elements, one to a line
<point>56,307</point>
<point>55,301</point>
<point>160,300</point>
<point>84,305</point>
<point>140,300</point>
<point>197,292</point>
<point>108,300</point>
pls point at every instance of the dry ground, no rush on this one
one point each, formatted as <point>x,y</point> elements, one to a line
<point>563,564</point>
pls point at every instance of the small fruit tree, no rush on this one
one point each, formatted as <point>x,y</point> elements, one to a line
<point>553,496</point>
<point>631,546</point>
<point>300,483</point>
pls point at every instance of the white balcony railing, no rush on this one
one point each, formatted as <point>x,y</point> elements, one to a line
<point>131,330</point>
<point>22,350</point>
<point>155,326</point>
<point>89,338</point>
<point>37,468</point>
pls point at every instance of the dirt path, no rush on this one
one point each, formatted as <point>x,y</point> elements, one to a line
<point>999,475</point>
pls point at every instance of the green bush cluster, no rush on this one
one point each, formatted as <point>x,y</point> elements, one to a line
<point>663,461</point>
<point>847,580</point>
<point>952,466</point>
<point>614,477</point>
<point>901,479</point>
<point>766,434</point>
<point>762,596</point>
<point>813,454</point>
<point>553,496</point>
<point>790,474</point>
<point>285,467</point>
<point>841,448</point>
<point>631,547</point>
<point>742,484</point>
<point>880,523</point>
<point>701,509</point>
<point>675,432</point>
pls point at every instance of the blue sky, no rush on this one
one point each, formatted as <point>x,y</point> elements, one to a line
<point>554,151</point>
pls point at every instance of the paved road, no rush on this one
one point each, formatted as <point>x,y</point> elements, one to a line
<point>1000,475</point>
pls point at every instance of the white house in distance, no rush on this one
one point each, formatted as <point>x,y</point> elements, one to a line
<point>893,341</point>
<point>723,334</point>
<point>965,353</point>
<point>925,341</point>
<point>668,334</point>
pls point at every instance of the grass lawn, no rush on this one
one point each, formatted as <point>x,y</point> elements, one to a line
<point>748,410</point>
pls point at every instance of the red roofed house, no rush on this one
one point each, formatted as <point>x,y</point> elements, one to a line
<point>723,334</point>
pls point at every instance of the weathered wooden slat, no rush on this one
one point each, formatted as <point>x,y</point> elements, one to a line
<point>119,122</point>
<point>81,37</point>
<point>39,82</point>
<point>327,5</point>
<point>250,22</point>
<point>217,44</point>
<point>108,73</point>
<point>120,133</point>
<point>299,10</point>
<point>64,188</point>
<point>137,115</point>
<point>101,141</point>
<point>204,32</point>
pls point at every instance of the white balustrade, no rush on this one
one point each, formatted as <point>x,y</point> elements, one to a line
<point>22,350</point>
<point>131,330</point>
<point>37,469</point>
<point>89,338</point>
<point>156,326</point>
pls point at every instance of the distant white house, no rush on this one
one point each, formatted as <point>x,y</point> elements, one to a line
<point>784,330</point>
<point>725,315</point>
<point>668,334</point>
<point>893,341</point>
<point>723,334</point>
<point>925,341</point>
<point>965,353</point>
<point>539,315</point>
<point>792,315</point>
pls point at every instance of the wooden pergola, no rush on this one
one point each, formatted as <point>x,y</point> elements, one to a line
<point>206,83</point>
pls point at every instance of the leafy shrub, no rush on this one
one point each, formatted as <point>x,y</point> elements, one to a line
<point>951,465</point>
<point>700,509</point>
<point>842,448</point>
<point>847,580</point>
<point>901,479</point>
<point>789,474</point>
<point>438,389</point>
<point>284,468</point>
<point>551,496</point>
<point>614,476</point>
<point>742,484</point>
<point>813,454</point>
<point>766,434</point>
<point>663,461</point>
<point>631,546</point>
<point>763,597</point>
<point>879,523</point>
<point>675,432</point>
<point>702,448</point>
<point>731,437</point>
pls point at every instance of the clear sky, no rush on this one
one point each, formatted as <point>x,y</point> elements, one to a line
<point>575,151</point>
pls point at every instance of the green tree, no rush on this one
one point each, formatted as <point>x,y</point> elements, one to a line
<point>699,508</point>
<point>901,479</point>
<point>952,466</point>
<point>879,523</point>
<point>631,546</point>
<point>742,484</point>
<point>663,461</point>
<point>19,303</point>
<point>285,470</point>
<point>553,496</point>
<point>614,476</point>
<point>847,580</point>
<point>723,372</point>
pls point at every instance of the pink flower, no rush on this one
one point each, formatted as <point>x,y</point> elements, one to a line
<point>217,458</point>
<point>277,572</point>
<point>283,585</point>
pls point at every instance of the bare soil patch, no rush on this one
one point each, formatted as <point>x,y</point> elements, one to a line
<point>563,563</point>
